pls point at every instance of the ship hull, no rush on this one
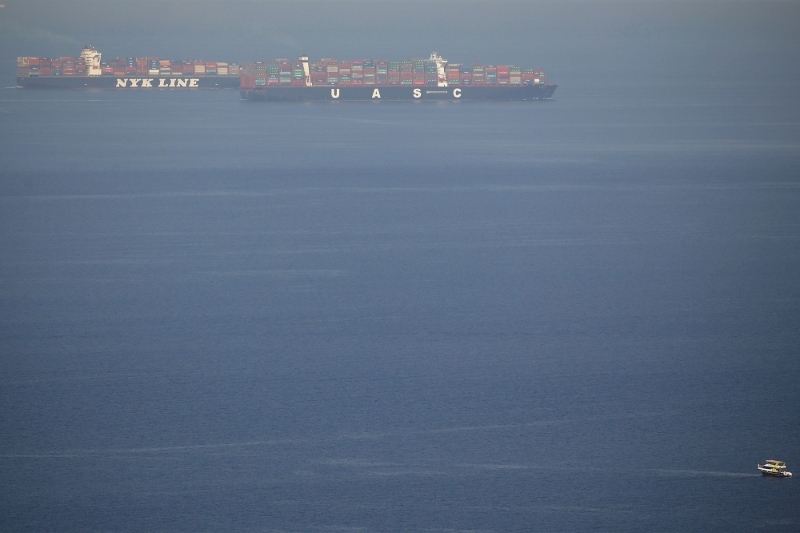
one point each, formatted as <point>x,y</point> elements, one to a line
<point>776,474</point>
<point>394,93</point>
<point>131,83</point>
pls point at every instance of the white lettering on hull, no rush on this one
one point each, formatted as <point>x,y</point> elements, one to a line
<point>376,93</point>
<point>163,83</point>
<point>456,93</point>
<point>334,93</point>
<point>417,93</point>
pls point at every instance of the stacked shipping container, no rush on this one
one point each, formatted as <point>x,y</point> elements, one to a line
<point>123,67</point>
<point>383,73</point>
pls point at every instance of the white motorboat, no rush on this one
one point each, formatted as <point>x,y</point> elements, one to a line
<point>774,468</point>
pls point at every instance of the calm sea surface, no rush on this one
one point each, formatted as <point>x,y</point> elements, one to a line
<point>577,315</point>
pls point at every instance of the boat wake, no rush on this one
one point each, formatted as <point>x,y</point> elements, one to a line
<point>700,473</point>
<point>649,471</point>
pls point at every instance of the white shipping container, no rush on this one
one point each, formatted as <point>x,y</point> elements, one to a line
<point>199,69</point>
<point>222,71</point>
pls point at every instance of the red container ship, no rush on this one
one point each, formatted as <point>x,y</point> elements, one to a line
<point>379,79</point>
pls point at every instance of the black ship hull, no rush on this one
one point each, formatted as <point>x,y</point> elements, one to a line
<point>143,82</point>
<point>401,93</point>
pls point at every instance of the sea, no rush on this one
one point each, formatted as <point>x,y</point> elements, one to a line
<point>571,315</point>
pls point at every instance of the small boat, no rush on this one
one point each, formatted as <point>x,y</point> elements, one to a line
<point>774,468</point>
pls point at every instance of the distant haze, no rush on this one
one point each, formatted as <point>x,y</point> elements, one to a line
<point>596,40</point>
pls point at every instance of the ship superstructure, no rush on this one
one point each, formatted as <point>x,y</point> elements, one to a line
<point>92,60</point>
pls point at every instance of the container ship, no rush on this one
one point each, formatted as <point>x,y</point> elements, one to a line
<point>88,71</point>
<point>378,80</point>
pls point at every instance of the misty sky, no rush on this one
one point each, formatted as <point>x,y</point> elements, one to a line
<point>575,41</point>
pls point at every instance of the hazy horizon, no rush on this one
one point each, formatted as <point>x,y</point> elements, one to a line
<point>573,40</point>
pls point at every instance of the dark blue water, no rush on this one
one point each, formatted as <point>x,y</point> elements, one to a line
<point>577,315</point>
